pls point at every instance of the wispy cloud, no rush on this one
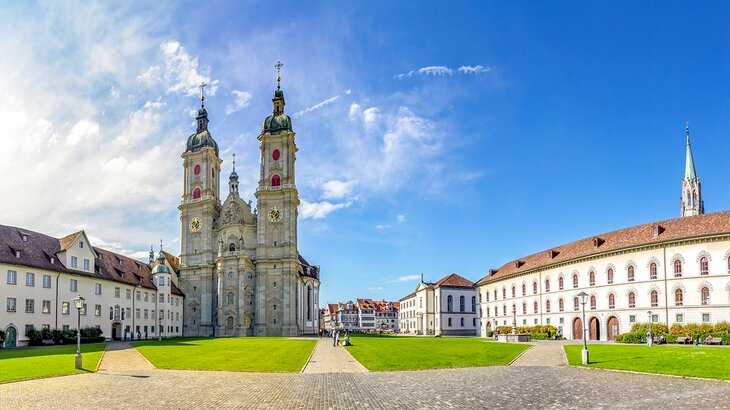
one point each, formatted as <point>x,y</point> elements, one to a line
<point>406,278</point>
<point>401,218</point>
<point>335,189</point>
<point>383,226</point>
<point>179,71</point>
<point>243,99</point>
<point>319,210</point>
<point>442,71</point>
<point>375,288</point>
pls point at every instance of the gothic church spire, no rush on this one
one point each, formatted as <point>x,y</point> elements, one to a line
<point>691,202</point>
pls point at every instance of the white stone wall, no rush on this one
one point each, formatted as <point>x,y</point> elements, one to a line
<point>443,314</point>
<point>666,311</point>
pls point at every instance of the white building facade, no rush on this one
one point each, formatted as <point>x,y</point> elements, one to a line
<point>447,307</point>
<point>41,275</point>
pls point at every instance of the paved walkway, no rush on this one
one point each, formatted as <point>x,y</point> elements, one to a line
<point>329,359</point>
<point>542,353</point>
<point>121,357</point>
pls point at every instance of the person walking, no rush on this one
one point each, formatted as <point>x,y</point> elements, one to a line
<point>337,338</point>
<point>334,337</point>
<point>347,338</point>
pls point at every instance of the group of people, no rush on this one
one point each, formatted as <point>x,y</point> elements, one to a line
<point>336,337</point>
<point>130,335</point>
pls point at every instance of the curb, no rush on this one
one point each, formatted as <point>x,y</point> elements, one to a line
<point>309,358</point>
<point>676,376</point>
<point>520,355</point>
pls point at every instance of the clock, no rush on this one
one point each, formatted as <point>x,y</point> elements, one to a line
<point>194,225</point>
<point>274,214</point>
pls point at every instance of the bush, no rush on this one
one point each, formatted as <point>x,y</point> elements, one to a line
<point>91,332</point>
<point>726,339</point>
<point>35,336</point>
<point>490,333</point>
<point>46,333</point>
<point>631,337</point>
<point>656,328</point>
<point>504,329</point>
<point>722,327</point>
<point>2,337</point>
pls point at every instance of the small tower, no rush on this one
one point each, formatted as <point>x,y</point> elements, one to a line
<point>233,179</point>
<point>152,256</point>
<point>691,202</point>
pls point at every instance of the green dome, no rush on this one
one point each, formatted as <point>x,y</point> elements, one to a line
<point>276,123</point>
<point>201,140</point>
<point>234,176</point>
<point>160,268</point>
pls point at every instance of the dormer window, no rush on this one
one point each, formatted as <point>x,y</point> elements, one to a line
<point>17,254</point>
<point>25,238</point>
<point>552,253</point>
<point>519,264</point>
<point>81,244</point>
<point>597,241</point>
<point>656,230</point>
<point>53,260</point>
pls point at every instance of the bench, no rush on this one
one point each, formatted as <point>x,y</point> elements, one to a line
<point>660,341</point>
<point>685,340</point>
<point>713,340</point>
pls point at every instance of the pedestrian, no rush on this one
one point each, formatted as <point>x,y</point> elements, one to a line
<point>347,338</point>
<point>145,335</point>
<point>334,337</point>
<point>139,336</point>
<point>337,338</point>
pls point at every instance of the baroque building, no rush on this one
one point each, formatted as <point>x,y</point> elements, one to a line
<point>673,271</point>
<point>241,270</point>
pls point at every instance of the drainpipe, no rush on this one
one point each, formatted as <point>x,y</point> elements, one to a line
<point>55,325</point>
<point>666,295</point>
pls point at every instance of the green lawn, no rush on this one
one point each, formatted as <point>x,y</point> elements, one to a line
<point>677,360</point>
<point>248,354</point>
<point>412,353</point>
<point>35,362</point>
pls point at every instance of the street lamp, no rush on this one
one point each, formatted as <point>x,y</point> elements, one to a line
<point>583,297</point>
<point>650,336</point>
<point>514,320</point>
<point>80,303</point>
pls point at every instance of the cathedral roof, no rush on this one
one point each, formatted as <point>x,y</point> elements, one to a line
<point>39,250</point>
<point>717,223</point>
<point>305,269</point>
<point>201,140</point>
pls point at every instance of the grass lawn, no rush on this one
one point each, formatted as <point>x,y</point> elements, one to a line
<point>248,354</point>
<point>677,360</point>
<point>412,353</point>
<point>35,362</point>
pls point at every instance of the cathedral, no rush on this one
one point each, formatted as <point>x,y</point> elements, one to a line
<point>240,268</point>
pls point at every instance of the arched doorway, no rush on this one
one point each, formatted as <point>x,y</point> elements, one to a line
<point>612,328</point>
<point>11,336</point>
<point>116,331</point>
<point>594,329</point>
<point>577,329</point>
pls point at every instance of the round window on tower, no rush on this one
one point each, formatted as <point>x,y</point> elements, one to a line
<point>197,169</point>
<point>276,155</point>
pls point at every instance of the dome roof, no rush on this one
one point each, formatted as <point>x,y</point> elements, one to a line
<point>161,266</point>
<point>201,140</point>
<point>276,123</point>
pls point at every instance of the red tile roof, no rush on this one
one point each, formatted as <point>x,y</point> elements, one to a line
<point>717,223</point>
<point>456,281</point>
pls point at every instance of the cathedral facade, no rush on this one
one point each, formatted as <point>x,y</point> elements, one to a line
<point>240,268</point>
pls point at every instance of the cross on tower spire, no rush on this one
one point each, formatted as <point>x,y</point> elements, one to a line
<point>234,162</point>
<point>278,66</point>
<point>202,93</point>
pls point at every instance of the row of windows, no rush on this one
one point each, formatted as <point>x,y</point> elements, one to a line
<point>630,277</point>
<point>473,322</point>
<point>462,303</point>
<point>654,300</point>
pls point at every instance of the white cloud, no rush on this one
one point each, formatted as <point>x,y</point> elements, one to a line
<point>319,210</point>
<point>443,71</point>
<point>407,278</point>
<point>335,189</point>
<point>401,218</point>
<point>83,131</point>
<point>475,69</point>
<point>243,98</point>
<point>179,72</point>
<point>370,115</point>
<point>383,226</point>
<point>317,106</point>
<point>348,91</point>
<point>375,288</point>
<point>354,111</point>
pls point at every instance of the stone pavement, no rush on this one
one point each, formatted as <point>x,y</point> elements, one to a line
<point>542,353</point>
<point>121,357</point>
<point>468,388</point>
<point>329,359</point>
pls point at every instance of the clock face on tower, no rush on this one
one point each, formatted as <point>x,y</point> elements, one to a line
<point>195,225</point>
<point>274,214</point>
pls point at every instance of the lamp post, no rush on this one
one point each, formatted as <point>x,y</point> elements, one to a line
<point>80,303</point>
<point>650,336</point>
<point>583,296</point>
<point>514,320</point>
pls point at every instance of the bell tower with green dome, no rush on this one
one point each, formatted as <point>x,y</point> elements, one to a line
<point>277,202</point>
<point>199,209</point>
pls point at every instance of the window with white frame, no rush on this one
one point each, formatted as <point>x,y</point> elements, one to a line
<point>97,288</point>
<point>46,308</point>
<point>74,285</point>
<point>128,292</point>
<point>86,264</point>
<point>12,277</point>
<point>11,305</point>
<point>117,292</point>
<point>97,310</point>
<point>74,262</point>
<point>29,279</point>
<point>47,281</point>
<point>162,298</point>
<point>65,308</point>
<point>29,305</point>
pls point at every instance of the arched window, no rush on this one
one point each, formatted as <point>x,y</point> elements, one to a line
<point>461,304</point>
<point>632,300</point>
<point>473,304</point>
<point>576,304</point>
<point>547,306</point>
<point>229,322</point>
<point>487,311</point>
<point>652,271</point>
<point>535,307</point>
<point>592,278</point>
<point>504,293</point>
<point>547,285</point>
<point>196,193</point>
<point>514,309</point>
<point>728,265</point>
<point>609,276</point>
<point>611,301</point>
<point>449,322</point>
<point>561,304</point>
<point>230,298</point>
<point>495,294</point>
<point>232,247</point>
<point>630,273</point>
<point>561,282</point>
<point>514,291</point>
<point>534,288</point>
<point>524,287</point>
<point>486,294</point>
<point>449,304</point>
<point>654,298</point>
<point>575,280</point>
<point>704,266</point>
<point>705,293</point>
<point>504,310</point>
<point>678,298</point>
<point>276,180</point>
<point>593,302</point>
<point>524,308</point>
<point>677,268</point>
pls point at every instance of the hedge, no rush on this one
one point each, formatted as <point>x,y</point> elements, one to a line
<point>695,331</point>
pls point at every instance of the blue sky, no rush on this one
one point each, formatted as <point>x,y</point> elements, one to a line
<point>433,139</point>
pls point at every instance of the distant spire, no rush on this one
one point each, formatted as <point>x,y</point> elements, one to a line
<point>234,163</point>
<point>202,93</point>
<point>278,66</point>
<point>160,244</point>
<point>689,168</point>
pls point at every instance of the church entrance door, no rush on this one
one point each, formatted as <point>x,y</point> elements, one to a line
<point>612,328</point>
<point>10,337</point>
<point>577,329</point>
<point>594,329</point>
<point>116,331</point>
